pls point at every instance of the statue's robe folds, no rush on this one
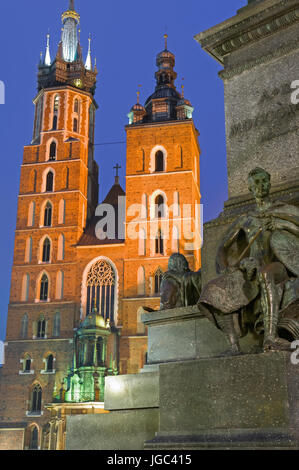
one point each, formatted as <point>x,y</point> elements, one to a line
<point>231,292</point>
<point>180,289</point>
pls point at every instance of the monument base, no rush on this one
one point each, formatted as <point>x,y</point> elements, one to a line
<point>248,402</point>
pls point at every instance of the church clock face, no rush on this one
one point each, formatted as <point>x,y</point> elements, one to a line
<point>78,83</point>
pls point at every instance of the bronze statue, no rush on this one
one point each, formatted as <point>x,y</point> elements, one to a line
<point>180,287</point>
<point>258,264</point>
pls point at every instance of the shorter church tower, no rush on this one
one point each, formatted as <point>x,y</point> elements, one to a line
<point>162,201</point>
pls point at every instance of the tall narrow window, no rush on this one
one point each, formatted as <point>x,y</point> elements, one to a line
<point>33,443</point>
<point>176,204</point>
<point>75,125</point>
<point>41,327</point>
<point>144,206</point>
<point>175,240</point>
<point>61,212</point>
<point>159,243</point>
<point>28,252</point>
<point>141,281</point>
<point>27,364</point>
<point>59,285</point>
<point>31,214</point>
<point>76,106</point>
<point>46,251</point>
<point>158,280</point>
<point>36,399</point>
<point>25,288</point>
<point>60,254</point>
<point>54,127</point>
<point>56,325</point>
<point>49,363</point>
<point>100,351</point>
<point>55,112</point>
<point>56,103</point>
<point>159,161</point>
<point>159,207</point>
<point>53,149</point>
<point>50,182</point>
<point>48,215</point>
<point>44,288</point>
<point>24,326</point>
<point>142,242</point>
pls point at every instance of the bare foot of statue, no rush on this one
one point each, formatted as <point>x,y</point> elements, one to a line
<point>277,344</point>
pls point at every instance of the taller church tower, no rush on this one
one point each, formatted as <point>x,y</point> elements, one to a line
<point>58,193</point>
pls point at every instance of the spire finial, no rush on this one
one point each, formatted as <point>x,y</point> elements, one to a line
<point>138,94</point>
<point>72,5</point>
<point>183,86</point>
<point>165,38</point>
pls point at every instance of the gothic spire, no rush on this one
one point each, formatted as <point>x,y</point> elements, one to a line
<point>88,63</point>
<point>47,60</point>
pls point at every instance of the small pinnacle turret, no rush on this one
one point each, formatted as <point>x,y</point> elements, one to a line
<point>88,62</point>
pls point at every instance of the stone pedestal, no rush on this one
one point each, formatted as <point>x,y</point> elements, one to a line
<point>248,402</point>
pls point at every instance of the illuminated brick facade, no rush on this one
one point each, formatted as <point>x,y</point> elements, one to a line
<point>56,245</point>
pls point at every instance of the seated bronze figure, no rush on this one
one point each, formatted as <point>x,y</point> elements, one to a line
<point>258,267</point>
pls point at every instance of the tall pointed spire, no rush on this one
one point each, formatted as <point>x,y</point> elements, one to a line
<point>88,63</point>
<point>70,20</point>
<point>47,60</point>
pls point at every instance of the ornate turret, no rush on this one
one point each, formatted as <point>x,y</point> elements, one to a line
<point>68,67</point>
<point>165,104</point>
<point>85,382</point>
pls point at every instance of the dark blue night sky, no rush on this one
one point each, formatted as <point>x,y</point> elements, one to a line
<point>126,36</point>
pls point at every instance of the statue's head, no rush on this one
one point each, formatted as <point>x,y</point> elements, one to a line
<point>259,183</point>
<point>177,262</point>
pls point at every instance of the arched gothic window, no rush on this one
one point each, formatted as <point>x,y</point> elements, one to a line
<point>49,363</point>
<point>44,288</point>
<point>159,161</point>
<point>100,286</point>
<point>158,280</point>
<point>48,215</point>
<point>36,399</point>
<point>41,327</point>
<point>46,251</point>
<point>159,207</point>
<point>50,182</point>
<point>27,364</point>
<point>53,148</point>
<point>33,442</point>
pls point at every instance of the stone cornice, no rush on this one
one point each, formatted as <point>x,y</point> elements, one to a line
<point>249,26</point>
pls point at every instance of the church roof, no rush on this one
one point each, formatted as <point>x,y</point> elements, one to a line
<point>89,237</point>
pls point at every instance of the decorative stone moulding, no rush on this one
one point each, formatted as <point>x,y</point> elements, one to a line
<point>246,31</point>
